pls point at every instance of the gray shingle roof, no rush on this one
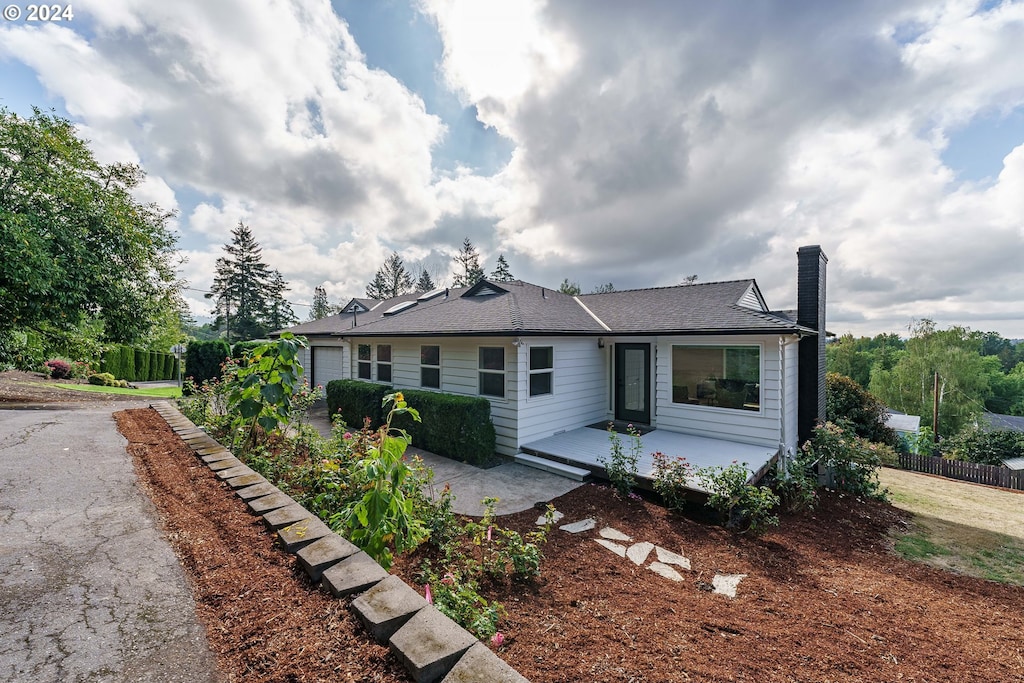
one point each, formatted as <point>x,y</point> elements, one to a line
<point>523,308</point>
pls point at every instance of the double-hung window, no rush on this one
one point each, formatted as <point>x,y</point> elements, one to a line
<point>384,363</point>
<point>430,367</point>
<point>542,363</point>
<point>363,362</point>
<point>492,371</point>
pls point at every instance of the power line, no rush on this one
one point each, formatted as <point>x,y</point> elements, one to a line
<point>203,291</point>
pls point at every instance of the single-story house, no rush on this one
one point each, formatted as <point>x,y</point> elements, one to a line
<point>907,427</point>
<point>707,360</point>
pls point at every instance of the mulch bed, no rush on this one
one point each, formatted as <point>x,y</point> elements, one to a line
<point>824,599</point>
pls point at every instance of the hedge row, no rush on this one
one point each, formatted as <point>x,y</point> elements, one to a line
<point>138,365</point>
<point>204,358</point>
<point>457,427</point>
<point>241,349</point>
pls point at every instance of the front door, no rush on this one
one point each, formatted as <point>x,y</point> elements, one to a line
<point>632,383</point>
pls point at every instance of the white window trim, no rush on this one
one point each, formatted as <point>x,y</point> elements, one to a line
<point>530,372</point>
<point>432,367</point>
<point>360,362</point>
<point>481,371</point>
<point>377,362</point>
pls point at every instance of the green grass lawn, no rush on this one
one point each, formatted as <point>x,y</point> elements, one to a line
<point>150,392</point>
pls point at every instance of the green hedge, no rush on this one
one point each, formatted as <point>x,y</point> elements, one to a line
<point>137,365</point>
<point>141,365</point>
<point>242,348</point>
<point>204,358</point>
<point>457,427</point>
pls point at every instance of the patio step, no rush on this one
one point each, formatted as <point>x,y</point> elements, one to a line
<point>561,469</point>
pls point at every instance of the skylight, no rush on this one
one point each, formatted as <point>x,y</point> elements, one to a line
<point>398,308</point>
<point>431,294</point>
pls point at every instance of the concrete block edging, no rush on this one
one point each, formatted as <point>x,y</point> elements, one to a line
<point>387,607</point>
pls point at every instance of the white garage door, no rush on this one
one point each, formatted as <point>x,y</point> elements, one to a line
<point>327,365</point>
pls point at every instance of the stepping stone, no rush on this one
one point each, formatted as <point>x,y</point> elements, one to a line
<point>725,584</point>
<point>232,472</point>
<point>614,534</point>
<point>580,526</point>
<point>268,503</point>
<point>619,550</point>
<point>245,480</point>
<point>430,644</point>
<point>300,534</point>
<point>664,570</point>
<point>638,552</point>
<point>226,463</point>
<point>323,553</point>
<point>289,514</point>
<point>256,491</point>
<point>542,520</point>
<point>386,607</point>
<point>480,664</point>
<point>216,456</point>
<point>669,557</point>
<point>354,574</point>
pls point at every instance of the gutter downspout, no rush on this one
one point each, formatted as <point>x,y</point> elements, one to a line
<point>785,452</point>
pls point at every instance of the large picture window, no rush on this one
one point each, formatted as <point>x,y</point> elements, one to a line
<point>364,361</point>
<point>542,363</point>
<point>430,367</point>
<point>384,363</point>
<point>492,371</point>
<point>717,376</point>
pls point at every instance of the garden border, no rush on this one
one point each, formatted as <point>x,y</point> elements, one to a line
<point>431,646</point>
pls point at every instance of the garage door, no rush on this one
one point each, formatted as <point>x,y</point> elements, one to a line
<point>327,365</point>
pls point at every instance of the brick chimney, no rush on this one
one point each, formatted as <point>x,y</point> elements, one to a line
<point>810,312</point>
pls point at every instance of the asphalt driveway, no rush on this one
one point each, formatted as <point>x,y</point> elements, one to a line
<point>89,588</point>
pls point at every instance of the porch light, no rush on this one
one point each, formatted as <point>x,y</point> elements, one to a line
<point>600,342</point>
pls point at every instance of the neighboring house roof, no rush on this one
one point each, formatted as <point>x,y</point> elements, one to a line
<point>995,421</point>
<point>1014,463</point>
<point>902,422</point>
<point>502,308</point>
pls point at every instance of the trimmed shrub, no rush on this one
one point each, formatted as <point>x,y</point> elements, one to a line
<point>127,354</point>
<point>103,379</point>
<point>847,403</point>
<point>457,427</point>
<point>153,366</point>
<point>59,369</point>
<point>241,349</point>
<point>355,400</point>
<point>167,371</point>
<point>203,359</point>
<point>141,365</point>
<point>987,448</point>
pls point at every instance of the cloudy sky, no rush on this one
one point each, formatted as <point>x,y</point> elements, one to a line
<point>633,143</point>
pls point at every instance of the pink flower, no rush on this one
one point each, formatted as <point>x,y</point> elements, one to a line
<point>448,579</point>
<point>497,639</point>
<point>427,595</point>
<point>347,435</point>
<point>489,534</point>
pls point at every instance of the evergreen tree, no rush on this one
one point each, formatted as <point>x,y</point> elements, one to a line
<point>501,272</point>
<point>604,289</point>
<point>320,308</point>
<point>425,283</point>
<point>241,287</point>
<point>279,312</point>
<point>468,261</point>
<point>391,279</point>
<point>570,288</point>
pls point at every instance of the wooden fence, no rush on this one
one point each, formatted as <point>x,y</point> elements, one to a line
<point>964,471</point>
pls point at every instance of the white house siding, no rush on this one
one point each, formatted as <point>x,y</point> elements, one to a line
<point>760,428</point>
<point>459,374</point>
<point>579,388</point>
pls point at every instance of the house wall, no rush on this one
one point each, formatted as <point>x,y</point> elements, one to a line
<point>579,388</point>
<point>762,428</point>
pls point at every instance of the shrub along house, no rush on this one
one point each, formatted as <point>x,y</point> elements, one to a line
<point>712,372</point>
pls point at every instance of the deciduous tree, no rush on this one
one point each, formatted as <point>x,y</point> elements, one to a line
<point>391,279</point>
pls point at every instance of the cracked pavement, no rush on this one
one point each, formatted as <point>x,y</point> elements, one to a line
<point>90,590</point>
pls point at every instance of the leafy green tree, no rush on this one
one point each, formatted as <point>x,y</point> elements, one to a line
<point>570,288</point>
<point>391,279</point>
<point>987,448</point>
<point>425,283</point>
<point>847,403</point>
<point>320,308</point>
<point>468,270</point>
<point>501,271</point>
<point>843,357</point>
<point>74,243</point>
<point>963,379</point>
<point>243,288</point>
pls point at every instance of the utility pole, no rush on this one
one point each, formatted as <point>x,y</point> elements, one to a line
<point>935,410</point>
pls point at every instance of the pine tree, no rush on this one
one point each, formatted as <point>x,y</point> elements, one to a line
<point>391,279</point>
<point>320,308</point>
<point>425,283</point>
<point>468,261</point>
<point>240,287</point>
<point>279,313</point>
<point>501,272</point>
